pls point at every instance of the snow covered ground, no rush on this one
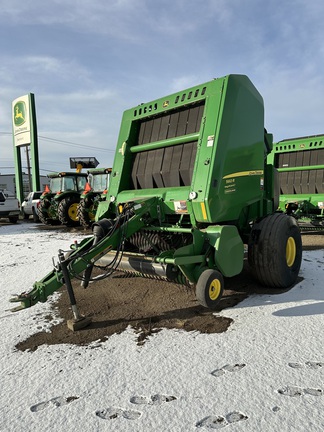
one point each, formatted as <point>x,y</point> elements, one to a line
<point>266,373</point>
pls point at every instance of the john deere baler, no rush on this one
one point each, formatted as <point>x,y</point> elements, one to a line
<point>300,163</point>
<point>190,185</point>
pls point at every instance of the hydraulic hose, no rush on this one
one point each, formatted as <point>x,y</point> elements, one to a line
<point>100,229</point>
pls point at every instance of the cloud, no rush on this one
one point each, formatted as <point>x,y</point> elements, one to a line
<point>82,16</point>
<point>183,82</point>
<point>86,62</point>
<point>128,20</point>
<point>42,64</point>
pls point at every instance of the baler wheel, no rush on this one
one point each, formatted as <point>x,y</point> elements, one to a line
<point>275,251</point>
<point>209,288</point>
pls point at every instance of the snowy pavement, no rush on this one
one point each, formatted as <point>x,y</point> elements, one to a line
<point>266,373</point>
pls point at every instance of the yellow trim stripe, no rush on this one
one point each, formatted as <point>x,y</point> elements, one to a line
<point>203,209</point>
<point>244,174</point>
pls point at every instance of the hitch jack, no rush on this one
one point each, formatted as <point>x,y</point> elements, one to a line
<point>78,322</point>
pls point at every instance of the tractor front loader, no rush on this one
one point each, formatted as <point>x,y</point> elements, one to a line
<point>189,187</point>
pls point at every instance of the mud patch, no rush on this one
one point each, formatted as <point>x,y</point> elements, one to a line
<point>147,306</point>
<point>144,304</point>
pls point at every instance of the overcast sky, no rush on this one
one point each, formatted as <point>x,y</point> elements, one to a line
<point>86,61</point>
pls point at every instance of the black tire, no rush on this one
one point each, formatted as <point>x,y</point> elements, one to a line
<point>13,219</point>
<point>35,215</point>
<point>85,213</point>
<point>43,213</point>
<point>26,216</point>
<point>68,211</point>
<point>209,288</point>
<point>275,251</point>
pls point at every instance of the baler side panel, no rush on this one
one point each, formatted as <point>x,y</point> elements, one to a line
<point>236,153</point>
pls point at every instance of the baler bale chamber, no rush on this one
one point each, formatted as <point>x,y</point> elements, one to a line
<point>189,187</point>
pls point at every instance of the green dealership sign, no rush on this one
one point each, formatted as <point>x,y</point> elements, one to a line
<point>24,131</point>
<point>22,120</point>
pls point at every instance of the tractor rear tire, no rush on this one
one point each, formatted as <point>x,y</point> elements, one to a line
<point>85,213</point>
<point>42,212</point>
<point>275,251</point>
<point>67,211</point>
<point>35,215</point>
<point>209,288</point>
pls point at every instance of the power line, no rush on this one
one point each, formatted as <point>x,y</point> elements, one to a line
<point>67,142</point>
<point>75,144</point>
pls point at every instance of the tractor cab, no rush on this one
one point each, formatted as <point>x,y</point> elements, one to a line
<point>95,190</point>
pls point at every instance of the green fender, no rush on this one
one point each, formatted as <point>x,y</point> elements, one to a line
<point>229,248</point>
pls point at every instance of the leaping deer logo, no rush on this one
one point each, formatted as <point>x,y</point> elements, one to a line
<point>19,116</point>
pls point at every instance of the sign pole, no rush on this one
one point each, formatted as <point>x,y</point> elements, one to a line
<point>18,175</point>
<point>34,145</point>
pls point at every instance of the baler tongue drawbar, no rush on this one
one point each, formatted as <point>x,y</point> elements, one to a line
<point>26,300</point>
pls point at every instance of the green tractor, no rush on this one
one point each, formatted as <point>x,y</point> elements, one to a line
<point>95,190</point>
<point>300,163</point>
<point>59,201</point>
<point>190,189</point>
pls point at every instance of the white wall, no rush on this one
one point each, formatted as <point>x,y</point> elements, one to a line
<point>7,181</point>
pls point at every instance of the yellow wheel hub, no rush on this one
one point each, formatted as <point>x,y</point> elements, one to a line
<point>214,289</point>
<point>290,251</point>
<point>72,212</point>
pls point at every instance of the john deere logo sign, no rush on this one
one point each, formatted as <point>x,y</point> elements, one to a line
<point>19,113</point>
<point>21,118</point>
